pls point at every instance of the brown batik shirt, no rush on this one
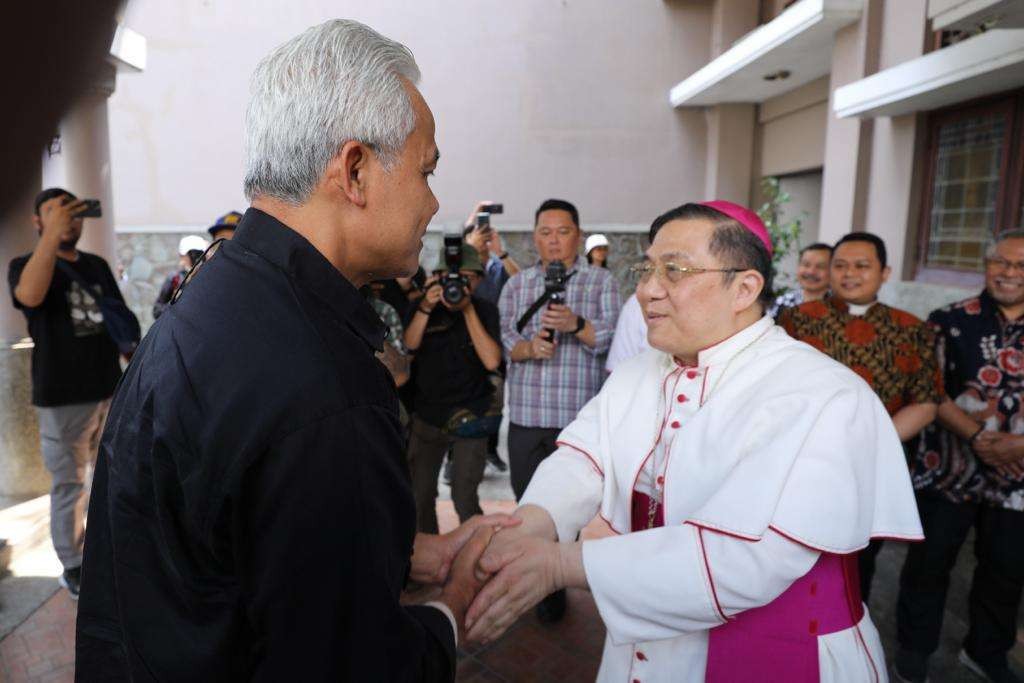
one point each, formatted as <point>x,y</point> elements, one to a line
<point>891,349</point>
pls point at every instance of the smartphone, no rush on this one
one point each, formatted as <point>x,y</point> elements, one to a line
<point>494,208</point>
<point>92,209</point>
<point>483,222</point>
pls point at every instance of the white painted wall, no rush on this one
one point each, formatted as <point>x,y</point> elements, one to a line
<point>533,98</point>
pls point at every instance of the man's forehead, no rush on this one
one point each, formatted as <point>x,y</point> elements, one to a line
<point>679,240</point>
<point>855,250</point>
<point>1013,245</point>
<point>554,218</point>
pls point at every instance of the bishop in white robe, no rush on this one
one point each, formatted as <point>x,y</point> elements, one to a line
<point>741,471</point>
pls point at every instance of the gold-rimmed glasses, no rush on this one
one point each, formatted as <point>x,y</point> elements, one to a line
<point>672,272</point>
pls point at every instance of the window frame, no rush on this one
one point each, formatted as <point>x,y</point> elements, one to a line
<point>1008,199</point>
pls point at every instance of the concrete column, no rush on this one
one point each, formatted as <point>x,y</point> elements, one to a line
<point>730,127</point>
<point>83,164</point>
<point>894,191</point>
<point>17,236</point>
<point>730,21</point>
<point>83,167</point>
<point>848,142</point>
<point>22,473</point>
<point>730,152</point>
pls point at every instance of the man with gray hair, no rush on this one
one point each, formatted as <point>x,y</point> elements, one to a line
<point>969,472</point>
<point>252,516</point>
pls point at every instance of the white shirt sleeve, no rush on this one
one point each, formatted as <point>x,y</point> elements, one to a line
<point>665,582</point>
<point>569,485</point>
<point>630,334</point>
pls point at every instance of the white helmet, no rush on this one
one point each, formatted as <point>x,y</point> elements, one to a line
<point>192,243</point>
<point>595,241</point>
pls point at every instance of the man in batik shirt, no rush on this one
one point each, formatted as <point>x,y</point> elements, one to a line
<point>968,473</point>
<point>890,349</point>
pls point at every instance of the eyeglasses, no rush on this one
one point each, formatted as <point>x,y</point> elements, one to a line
<point>1003,264</point>
<point>672,272</point>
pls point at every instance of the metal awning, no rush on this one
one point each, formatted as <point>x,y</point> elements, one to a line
<point>985,64</point>
<point>797,43</point>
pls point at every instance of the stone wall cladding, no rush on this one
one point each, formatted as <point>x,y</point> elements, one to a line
<point>146,258</point>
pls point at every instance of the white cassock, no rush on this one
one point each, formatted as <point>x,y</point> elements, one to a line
<point>762,470</point>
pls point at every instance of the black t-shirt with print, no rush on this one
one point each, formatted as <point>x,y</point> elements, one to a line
<point>74,360</point>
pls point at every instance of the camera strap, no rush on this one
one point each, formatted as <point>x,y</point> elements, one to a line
<point>536,306</point>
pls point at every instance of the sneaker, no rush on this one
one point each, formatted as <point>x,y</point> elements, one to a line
<point>997,673</point>
<point>552,608</point>
<point>448,471</point>
<point>498,463</point>
<point>72,580</point>
<point>910,667</point>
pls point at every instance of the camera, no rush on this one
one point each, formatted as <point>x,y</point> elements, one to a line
<point>453,284</point>
<point>554,287</point>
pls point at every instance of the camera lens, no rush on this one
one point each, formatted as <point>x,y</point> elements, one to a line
<point>452,291</point>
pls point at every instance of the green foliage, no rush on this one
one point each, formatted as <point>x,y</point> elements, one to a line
<point>785,236</point>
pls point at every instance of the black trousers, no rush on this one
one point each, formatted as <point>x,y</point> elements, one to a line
<point>427,447</point>
<point>527,447</point>
<point>866,566</point>
<point>995,588</point>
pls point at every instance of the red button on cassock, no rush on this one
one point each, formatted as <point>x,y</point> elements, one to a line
<point>691,374</point>
<point>675,425</point>
<point>661,480</point>
<point>681,398</point>
<point>641,656</point>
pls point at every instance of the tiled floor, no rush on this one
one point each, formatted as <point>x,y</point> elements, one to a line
<point>42,648</point>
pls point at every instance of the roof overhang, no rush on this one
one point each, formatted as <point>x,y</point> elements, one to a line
<point>128,50</point>
<point>982,65</point>
<point>953,15</point>
<point>798,41</point>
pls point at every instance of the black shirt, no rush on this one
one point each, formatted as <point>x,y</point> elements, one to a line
<point>252,516</point>
<point>448,372</point>
<point>74,360</point>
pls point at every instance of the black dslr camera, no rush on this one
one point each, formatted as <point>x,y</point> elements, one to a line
<point>453,284</point>
<point>554,287</point>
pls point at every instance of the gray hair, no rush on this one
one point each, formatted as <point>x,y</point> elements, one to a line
<point>993,242</point>
<point>334,83</point>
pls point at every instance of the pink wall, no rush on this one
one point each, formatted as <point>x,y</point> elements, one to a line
<point>532,99</point>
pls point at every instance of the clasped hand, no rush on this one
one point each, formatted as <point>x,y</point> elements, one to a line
<point>493,569</point>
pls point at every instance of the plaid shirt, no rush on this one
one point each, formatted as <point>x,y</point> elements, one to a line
<point>549,393</point>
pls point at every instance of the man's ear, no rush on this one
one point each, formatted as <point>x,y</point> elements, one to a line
<point>749,288</point>
<point>347,171</point>
<point>36,221</point>
<point>885,273</point>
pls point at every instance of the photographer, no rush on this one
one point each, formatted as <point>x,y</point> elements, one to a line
<point>74,361</point>
<point>454,338</point>
<point>190,249</point>
<point>556,332</point>
<point>499,266</point>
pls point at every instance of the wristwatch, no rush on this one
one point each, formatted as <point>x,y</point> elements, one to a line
<point>580,324</point>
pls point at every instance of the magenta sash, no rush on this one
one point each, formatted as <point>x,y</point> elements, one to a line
<point>778,642</point>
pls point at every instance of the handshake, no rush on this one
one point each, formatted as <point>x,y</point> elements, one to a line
<point>495,567</point>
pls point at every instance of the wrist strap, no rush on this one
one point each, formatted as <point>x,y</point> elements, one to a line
<point>420,309</point>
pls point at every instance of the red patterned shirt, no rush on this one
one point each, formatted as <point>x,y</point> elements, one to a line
<point>892,350</point>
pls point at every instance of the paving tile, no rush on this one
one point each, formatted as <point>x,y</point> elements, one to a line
<point>41,650</point>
